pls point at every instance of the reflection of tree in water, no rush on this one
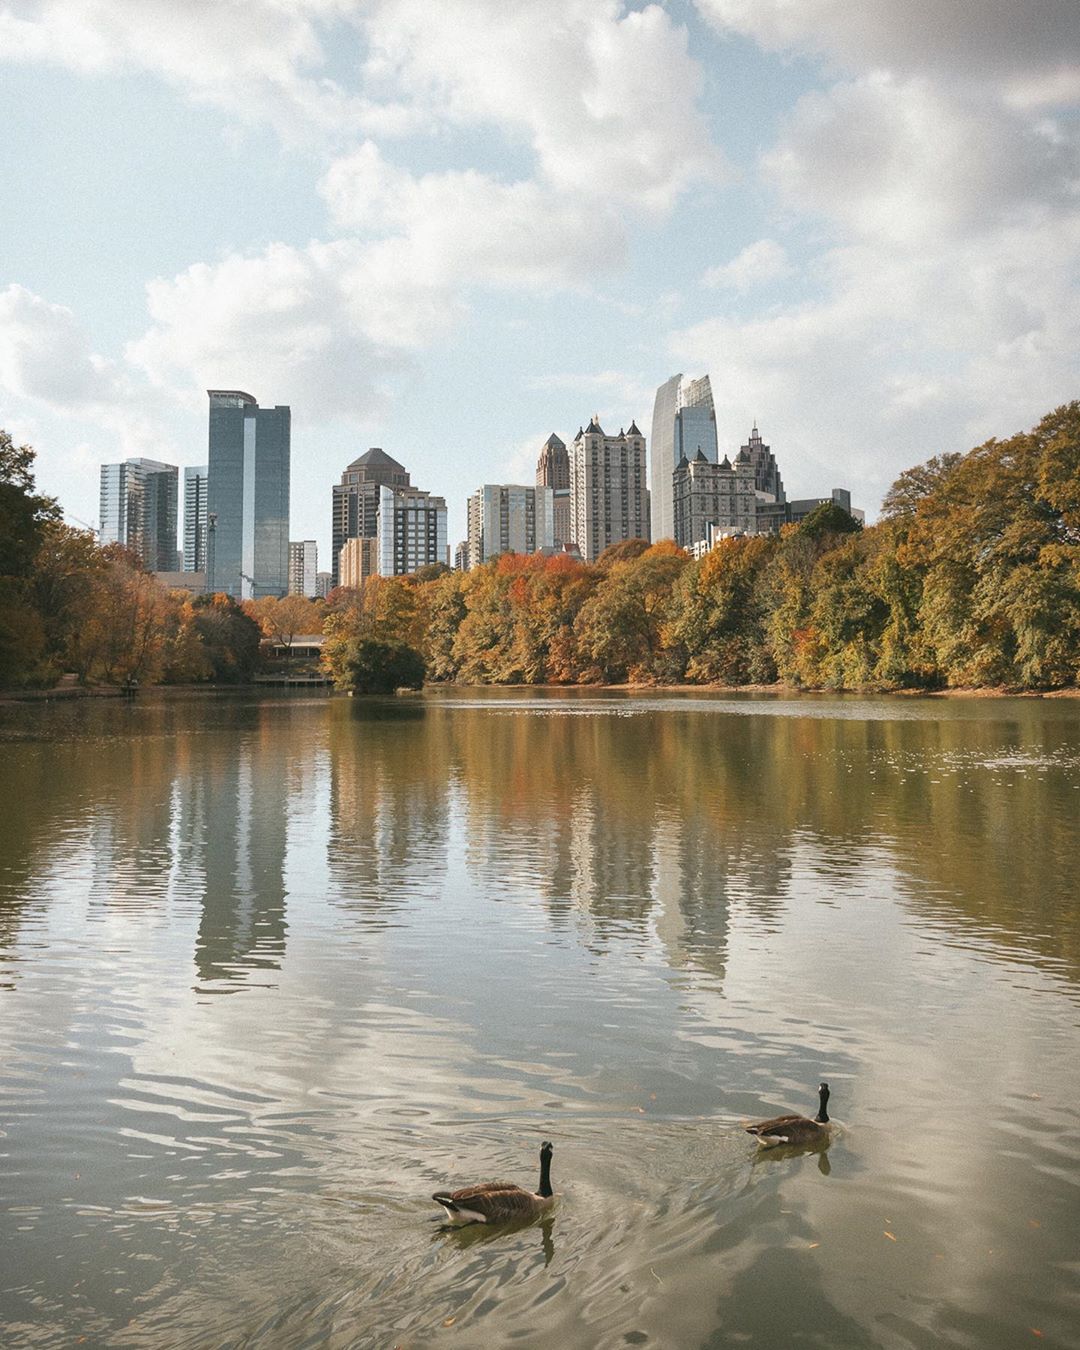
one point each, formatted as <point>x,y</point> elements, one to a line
<point>638,822</point>
<point>389,805</point>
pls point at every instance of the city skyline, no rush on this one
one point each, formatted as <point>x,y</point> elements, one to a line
<point>865,231</point>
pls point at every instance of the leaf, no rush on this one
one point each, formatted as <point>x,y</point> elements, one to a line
<point>889,1235</point>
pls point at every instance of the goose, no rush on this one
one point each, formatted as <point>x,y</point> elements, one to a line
<point>795,1129</point>
<point>500,1201</point>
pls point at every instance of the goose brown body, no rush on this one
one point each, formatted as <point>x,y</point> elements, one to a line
<point>499,1201</point>
<point>795,1129</point>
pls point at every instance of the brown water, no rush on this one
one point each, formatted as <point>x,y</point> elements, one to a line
<point>272,972</point>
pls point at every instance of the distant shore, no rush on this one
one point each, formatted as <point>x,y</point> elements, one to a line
<point>67,693</point>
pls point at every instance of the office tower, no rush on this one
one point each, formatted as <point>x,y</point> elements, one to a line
<point>356,500</point>
<point>247,514</point>
<point>707,495</point>
<point>138,510</point>
<point>324,584</point>
<point>683,423</point>
<point>553,471</point>
<point>410,532</point>
<point>507,518</point>
<point>303,567</point>
<point>608,495</point>
<point>461,557</point>
<point>766,472</point>
<point>195,485</point>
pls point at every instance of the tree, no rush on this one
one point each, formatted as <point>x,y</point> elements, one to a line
<point>230,638</point>
<point>24,516</point>
<point>286,618</point>
<point>369,666</point>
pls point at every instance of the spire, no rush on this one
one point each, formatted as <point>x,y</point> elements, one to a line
<point>633,430</point>
<point>594,428</point>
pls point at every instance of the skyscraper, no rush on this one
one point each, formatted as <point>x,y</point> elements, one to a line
<point>766,473</point>
<point>247,496</point>
<point>508,518</point>
<point>303,567</point>
<point>411,530</point>
<point>553,471</point>
<point>195,485</point>
<point>138,510</point>
<point>684,422</point>
<point>356,500</point>
<point>608,496</point>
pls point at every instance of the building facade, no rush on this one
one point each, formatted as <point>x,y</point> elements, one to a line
<point>356,500</point>
<point>196,482</point>
<point>684,422</point>
<point>247,514</point>
<point>139,510</point>
<point>324,584</point>
<point>410,531</point>
<point>707,496</point>
<point>357,561</point>
<point>766,472</point>
<point>553,471</point>
<point>509,518</point>
<point>608,489</point>
<point>303,567</point>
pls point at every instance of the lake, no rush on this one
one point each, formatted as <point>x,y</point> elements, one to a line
<point>272,971</point>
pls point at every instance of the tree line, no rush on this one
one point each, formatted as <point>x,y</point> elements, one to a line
<point>971,577</point>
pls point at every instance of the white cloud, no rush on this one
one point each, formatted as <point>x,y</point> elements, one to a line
<point>257,59</point>
<point>1017,46</point>
<point>758,264</point>
<point>605,98</point>
<point>46,358</point>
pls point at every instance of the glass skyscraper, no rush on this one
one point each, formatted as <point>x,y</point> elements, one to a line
<point>683,423</point>
<point>138,510</point>
<point>247,496</point>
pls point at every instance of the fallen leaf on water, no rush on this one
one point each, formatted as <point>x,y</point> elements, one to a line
<point>449,1321</point>
<point>814,1244</point>
<point>1035,1331</point>
<point>652,1096</point>
<point>640,1110</point>
<point>1034,1223</point>
<point>889,1235</point>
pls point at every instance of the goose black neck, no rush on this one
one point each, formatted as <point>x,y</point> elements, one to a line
<point>545,1174</point>
<point>822,1116</point>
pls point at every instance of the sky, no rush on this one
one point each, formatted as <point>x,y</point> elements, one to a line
<point>451,227</point>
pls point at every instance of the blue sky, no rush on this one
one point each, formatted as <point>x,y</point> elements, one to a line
<point>450,227</point>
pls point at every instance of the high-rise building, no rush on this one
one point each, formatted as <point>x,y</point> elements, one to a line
<point>712,496</point>
<point>553,471</point>
<point>303,566</point>
<point>411,530</point>
<point>324,584</point>
<point>461,557</point>
<point>608,493</point>
<point>766,473</point>
<point>247,542</point>
<point>195,485</point>
<point>138,510</point>
<point>508,518</point>
<point>684,422</point>
<point>356,500</point>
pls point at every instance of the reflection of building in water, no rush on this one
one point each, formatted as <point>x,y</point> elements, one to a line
<point>243,817</point>
<point>389,807</point>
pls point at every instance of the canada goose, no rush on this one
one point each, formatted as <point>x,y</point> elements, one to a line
<point>499,1201</point>
<point>795,1129</point>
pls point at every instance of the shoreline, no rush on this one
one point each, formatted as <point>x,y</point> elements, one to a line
<point>70,693</point>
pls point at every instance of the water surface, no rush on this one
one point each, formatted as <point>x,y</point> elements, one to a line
<point>273,971</point>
